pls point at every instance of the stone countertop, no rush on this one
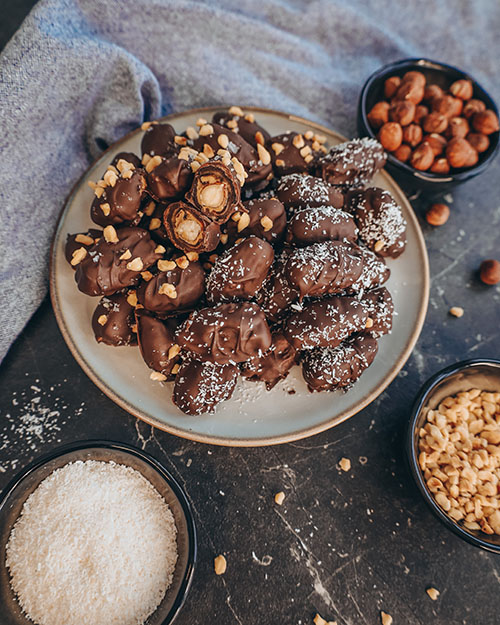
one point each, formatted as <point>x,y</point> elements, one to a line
<point>344,544</point>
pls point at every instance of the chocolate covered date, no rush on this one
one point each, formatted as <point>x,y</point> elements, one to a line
<point>189,230</point>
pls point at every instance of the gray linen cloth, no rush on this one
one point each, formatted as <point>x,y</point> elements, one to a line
<point>79,74</point>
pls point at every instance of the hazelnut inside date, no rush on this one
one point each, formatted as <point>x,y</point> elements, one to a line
<point>431,127</point>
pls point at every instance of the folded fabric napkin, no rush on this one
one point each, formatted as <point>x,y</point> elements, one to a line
<point>79,74</point>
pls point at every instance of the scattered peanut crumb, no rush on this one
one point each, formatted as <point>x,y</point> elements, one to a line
<point>319,620</point>
<point>345,464</point>
<point>433,593</point>
<point>279,498</point>
<point>456,311</point>
<point>385,618</point>
<point>220,565</point>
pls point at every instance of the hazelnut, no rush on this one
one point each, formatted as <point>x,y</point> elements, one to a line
<point>458,152</point>
<point>391,136</point>
<point>489,271</point>
<point>379,115</point>
<point>472,107</point>
<point>435,122</point>
<point>420,112</point>
<point>415,77</point>
<point>412,135</point>
<point>437,214</point>
<point>422,157</point>
<point>437,143</point>
<point>462,89</point>
<point>391,85</point>
<point>410,91</point>
<point>432,92</point>
<point>485,122</point>
<point>457,127</point>
<point>402,112</point>
<point>447,105</point>
<point>440,166</point>
<point>478,141</point>
<point>403,153</point>
<point>472,158</point>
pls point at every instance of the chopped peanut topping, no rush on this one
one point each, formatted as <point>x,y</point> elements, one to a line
<point>378,245</point>
<point>250,117</point>
<point>102,320</point>
<point>298,141</point>
<point>152,163</point>
<point>126,255</point>
<point>146,125</point>
<point>264,155</point>
<point>174,351</point>
<point>206,130</point>
<point>155,223</point>
<point>309,135</point>
<point>191,133</point>
<point>156,376</point>
<point>243,221</point>
<point>223,238</point>
<point>175,369</point>
<point>110,234</point>
<point>132,298</point>
<point>106,208</point>
<point>369,323</point>
<point>232,123</point>
<point>235,110</point>
<point>195,165</point>
<point>110,178</point>
<point>201,121</point>
<point>193,256</point>
<point>98,191</point>
<point>84,238</point>
<point>180,140</point>
<point>280,162</point>
<point>182,262</point>
<point>277,148</point>
<point>78,255</point>
<point>259,138</point>
<point>223,141</point>
<point>159,249</point>
<point>168,290</point>
<point>150,209</point>
<point>146,275</point>
<point>166,265</point>
<point>208,151</point>
<point>266,223</point>
<point>305,151</point>
<point>136,264</point>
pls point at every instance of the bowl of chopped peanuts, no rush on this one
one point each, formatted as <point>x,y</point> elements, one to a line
<point>453,447</point>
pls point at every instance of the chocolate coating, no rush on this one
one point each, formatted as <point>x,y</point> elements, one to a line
<point>189,230</point>
<point>318,224</point>
<point>298,191</point>
<point>245,127</point>
<point>352,164</point>
<point>226,333</point>
<point>332,368</point>
<point>200,386</point>
<point>274,365</point>
<point>113,320</point>
<point>189,284</point>
<point>158,140</point>
<point>240,271</point>
<point>86,240</point>
<point>271,229</point>
<point>215,191</point>
<point>156,338</point>
<point>276,294</point>
<point>375,272</point>
<point>379,306</point>
<point>381,224</point>
<point>287,157</point>
<point>258,173</point>
<point>323,268</point>
<point>170,179</point>
<point>325,323</point>
<point>121,202</point>
<point>103,270</point>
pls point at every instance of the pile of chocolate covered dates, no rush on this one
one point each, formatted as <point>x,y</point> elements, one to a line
<point>223,251</point>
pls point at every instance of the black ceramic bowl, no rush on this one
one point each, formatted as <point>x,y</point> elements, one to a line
<point>442,75</point>
<point>462,376</point>
<point>21,487</point>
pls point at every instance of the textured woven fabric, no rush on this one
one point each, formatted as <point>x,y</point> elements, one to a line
<point>79,74</point>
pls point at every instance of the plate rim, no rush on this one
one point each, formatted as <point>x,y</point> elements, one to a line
<point>213,439</point>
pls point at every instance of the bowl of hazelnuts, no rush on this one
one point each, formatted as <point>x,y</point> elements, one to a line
<point>437,124</point>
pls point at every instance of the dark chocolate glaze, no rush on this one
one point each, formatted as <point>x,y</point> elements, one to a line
<point>274,365</point>
<point>318,224</point>
<point>375,272</point>
<point>332,368</point>
<point>102,271</point>
<point>189,286</point>
<point>156,338</point>
<point>240,271</point>
<point>245,127</point>
<point>170,179</point>
<point>215,174</point>
<point>379,219</point>
<point>289,160</point>
<point>158,140</point>
<point>130,157</point>
<point>277,294</point>
<point>379,307</point>
<point>72,244</point>
<point>113,320</point>
<point>180,218</point>
<point>352,164</point>
<point>200,386</point>
<point>226,333</point>
<point>325,323</point>
<point>120,203</point>
<point>323,268</point>
<point>298,191</point>
<point>258,210</point>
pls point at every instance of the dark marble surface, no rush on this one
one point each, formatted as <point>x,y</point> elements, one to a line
<point>346,545</point>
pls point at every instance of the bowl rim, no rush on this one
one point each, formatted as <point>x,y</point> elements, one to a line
<point>174,485</point>
<point>412,454</point>
<point>428,177</point>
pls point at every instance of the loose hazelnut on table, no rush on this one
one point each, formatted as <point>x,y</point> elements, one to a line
<point>456,311</point>
<point>379,115</point>
<point>412,135</point>
<point>435,122</point>
<point>422,157</point>
<point>489,271</point>
<point>462,89</point>
<point>478,141</point>
<point>403,153</point>
<point>472,107</point>
<point>391,136</point>
<point>402,112</point>
<point>437,214</point>
<point>391,85</point>
<point>485,122</point>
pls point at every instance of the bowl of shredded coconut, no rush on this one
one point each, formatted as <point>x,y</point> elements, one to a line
<point>95,532</point>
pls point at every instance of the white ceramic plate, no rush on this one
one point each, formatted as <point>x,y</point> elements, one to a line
<point>252,416</point>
